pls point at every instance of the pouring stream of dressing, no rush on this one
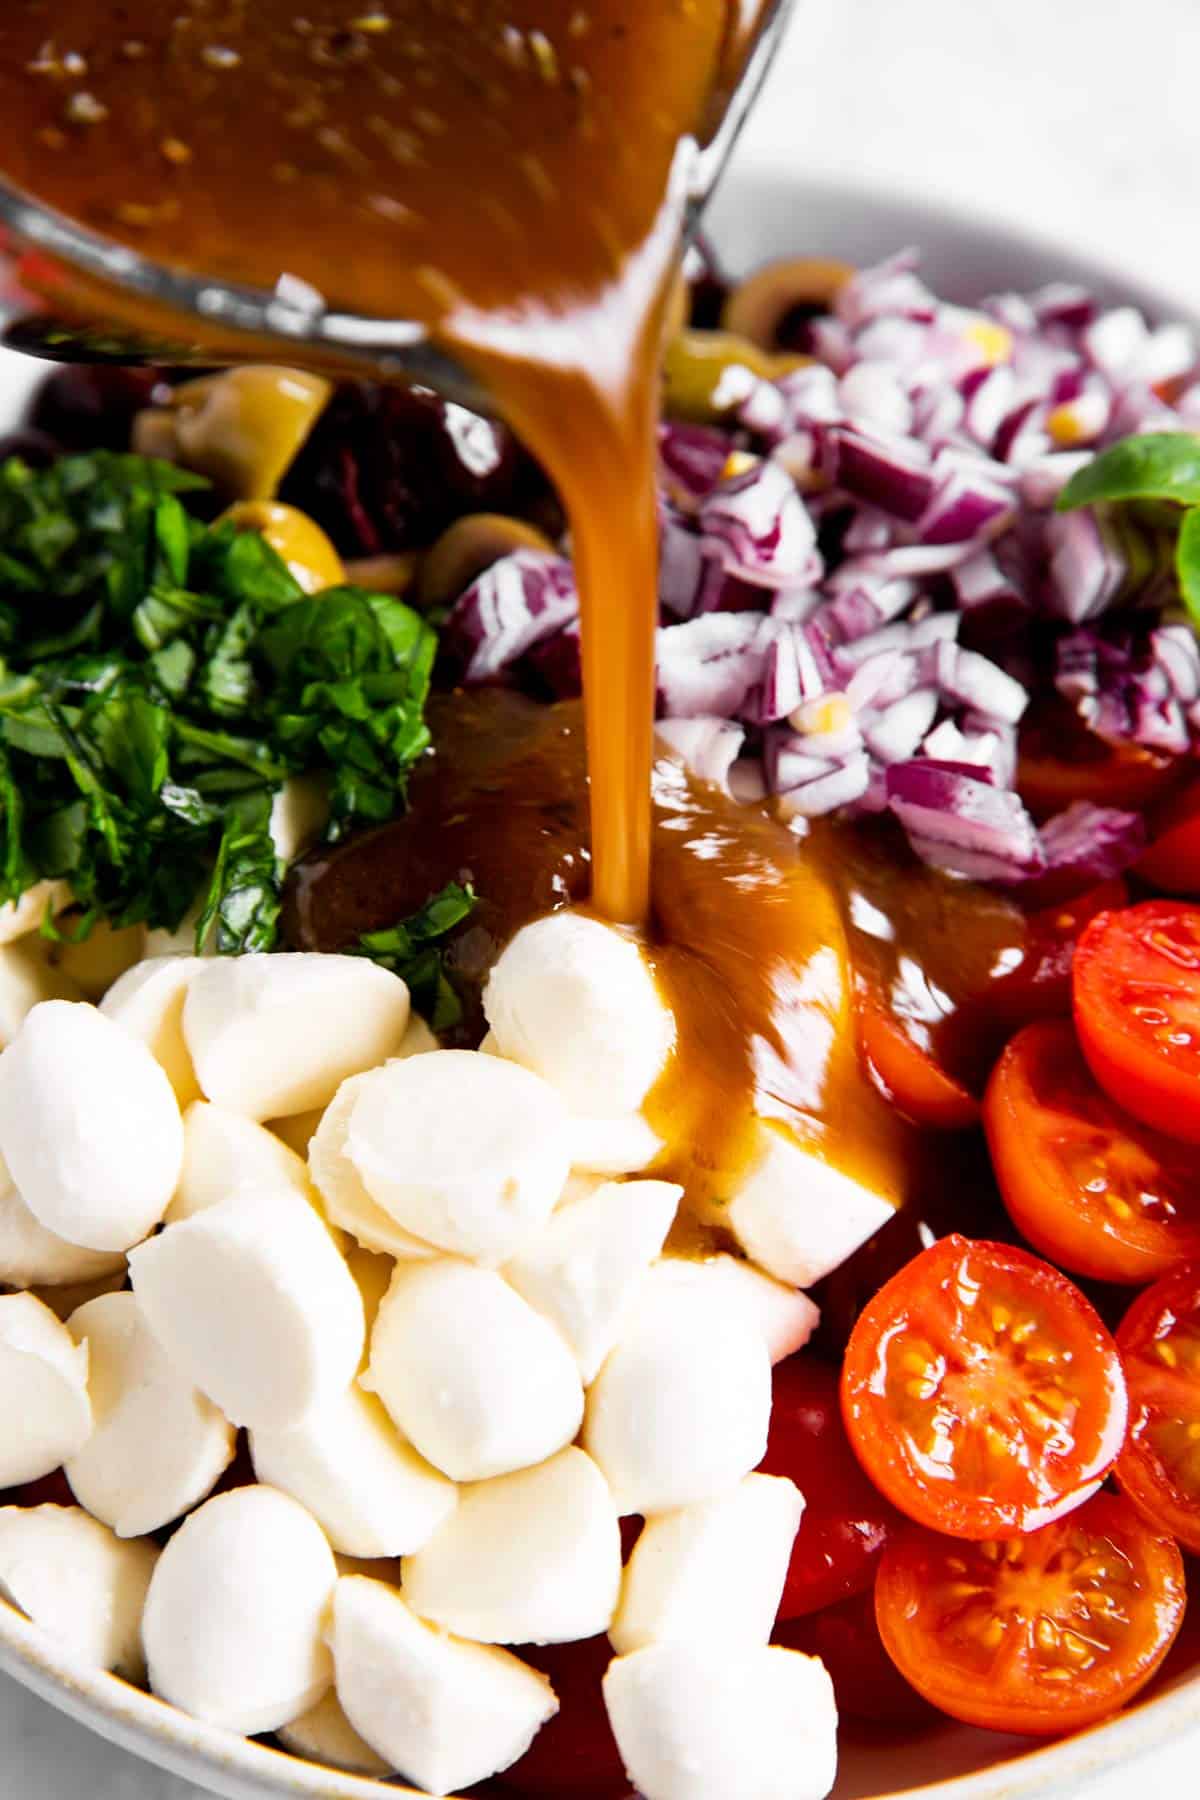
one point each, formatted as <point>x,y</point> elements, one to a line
<point>512,175</point>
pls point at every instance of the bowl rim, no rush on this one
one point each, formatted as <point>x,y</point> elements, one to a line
<point>847,220</point>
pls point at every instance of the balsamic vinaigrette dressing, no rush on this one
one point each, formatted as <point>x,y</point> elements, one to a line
<point>511,175</point>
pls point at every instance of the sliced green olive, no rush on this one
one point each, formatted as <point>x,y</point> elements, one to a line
<point>305,549</point>
<point>758,307</point>
<point>706,374</point>
<point>241,428</point>
<point>468,547</point>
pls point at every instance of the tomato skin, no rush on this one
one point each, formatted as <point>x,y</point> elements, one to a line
<point>847,1521</point>
<point>1136,985</point>
<point>1040,986</point>
<point>1011,1637</point>
<point>981,1392</point>
<point>1172,861</point>
<point>1060,761</point>
<point>909,1075</point>
<point>575,1753</point>
<point>1159,1469</point>
<point>866,1682</point>
<point>1089,1187</point>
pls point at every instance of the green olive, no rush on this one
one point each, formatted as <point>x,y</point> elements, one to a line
<point>305,549</point>
<point>707,374</point>
<point>241,428</point>
<point>468,547</point>
<point>758,306</point>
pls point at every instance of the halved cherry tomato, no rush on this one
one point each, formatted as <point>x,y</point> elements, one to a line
<point>1137,1011</point>
<point>1097,1191</point>
<point>846,1518</point>
<point>866,1682</point>
<point>1061,761</point>
<point>1173,860</point>
<point>909,1075</point>
<point>1159,1467</point>
<point>981,1392</point>
<point>1039,987</point>
<point>1040,1634</point>
<point>575,1754</point>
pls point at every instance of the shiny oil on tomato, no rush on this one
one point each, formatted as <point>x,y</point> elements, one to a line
<point>1136,986</point>
<point>981,1392</point>
<point>1086,1184</point>
<point>1040,1634</point>
<point>1159,1469</point>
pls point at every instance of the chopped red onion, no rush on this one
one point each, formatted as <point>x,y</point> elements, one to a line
<point>963,824</point>
<point>709,747</point>
<point>680,566</point>
<point>1087,569</point>
<point>825,793</point>
<point>1095,841</point>
<point>969,679</point>
<point>896,734</point>
<point>1176,652</point>
<point>756,525</point>
<point>512,606</point>
<point>692,459</point>
<point>895,477</point>
<point>709,665</point>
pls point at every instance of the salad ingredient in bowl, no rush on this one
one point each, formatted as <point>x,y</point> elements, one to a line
<point>505,1075</point>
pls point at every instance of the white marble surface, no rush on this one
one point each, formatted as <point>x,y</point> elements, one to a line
<point>1076,118</point>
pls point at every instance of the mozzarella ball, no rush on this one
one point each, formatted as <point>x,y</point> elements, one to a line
<point>369,1491</point>
<point>679,1410</point>
<point>478,1381</point>
<point>89,1127</point>
<point>623,1146</point>
<point>276,1034</point>
<point>786,1316</point>
<point>147,1001</point>
<point>712,1572</point>
<point>346,1200</point>
<point>157,1445</point>
<point>97,960</point>
<point>714,1722</point>
<point>442,1712</point>
<point>223,1154</point>
<point>20,917</point>
<point>31,1256</point>
<point>237,1610</point>
<point>574,1000</point>
<point>583,1268</point>
<point>253,1302</point>
<point>798,1216</point>
<point>465,1151</point>
<point>531,1558</point>
<point>45,1415</point>
<point>71,1576</point>
<point>26,978</point>
<point>325,1735</point>
<point>299,813</point>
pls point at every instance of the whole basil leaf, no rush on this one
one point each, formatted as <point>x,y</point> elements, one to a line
<point>1159,465</point>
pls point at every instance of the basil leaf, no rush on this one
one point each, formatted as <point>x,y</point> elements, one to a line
<point>410,949</point>
<point>1161,465</point>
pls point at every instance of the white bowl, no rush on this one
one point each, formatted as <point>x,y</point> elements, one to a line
<point>750,221</point>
